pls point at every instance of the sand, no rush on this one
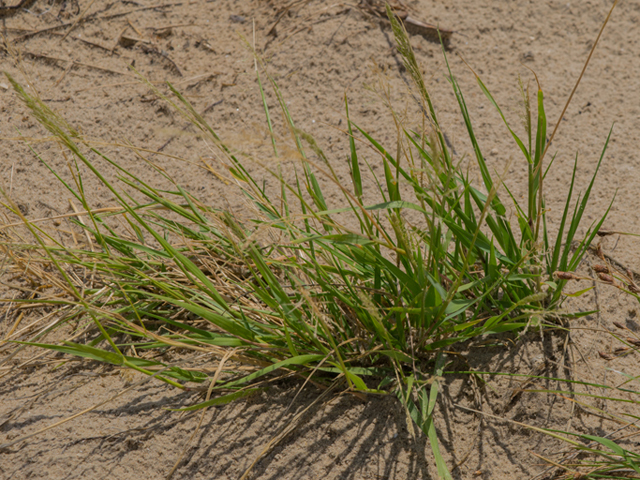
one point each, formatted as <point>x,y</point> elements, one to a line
<point>320,51</point>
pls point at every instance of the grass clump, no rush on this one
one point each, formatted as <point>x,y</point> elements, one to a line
<point>296,287</point>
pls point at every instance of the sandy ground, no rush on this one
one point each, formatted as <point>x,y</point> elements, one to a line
<point>320,50</point>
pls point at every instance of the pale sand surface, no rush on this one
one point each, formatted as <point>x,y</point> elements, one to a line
<point>322,49</point>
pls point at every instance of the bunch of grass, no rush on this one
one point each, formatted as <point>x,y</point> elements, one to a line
<point>296,288</point>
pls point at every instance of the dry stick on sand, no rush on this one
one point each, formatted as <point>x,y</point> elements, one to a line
<point>140,34</point>
<point>4,446</point>
<point>302,25</point>
<point>564,110</point>
<point>77,20</point>
<point>117,40</point>
<point>179,82</point>
<point>290,426</point>
<point>91,18</point>
<point>377,8</point>
<point>66,215</point>
<point>84,40</point>
<point>64,74</point>
<point>214,380</point>
<point>153,50</point>
<point>62,60</point>
<point>16,324</point>
<point>81,220</point>
<point>38,335</point>
<point>283,12</point>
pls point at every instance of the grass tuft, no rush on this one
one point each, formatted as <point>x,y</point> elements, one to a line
<point>364,297</point>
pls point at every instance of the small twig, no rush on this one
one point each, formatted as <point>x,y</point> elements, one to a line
<point>512,393</point>
<point>117,40</point>
<point>214,380</point>
<point>303,26</point>
<point>165,56</point>
<point>289,427</point>
<point>81,220</point>
<point>377,9</point>
<point>12,10</point>
<point>79,414</point>
<point>91,17</point>
<point>214,104</point>
<point>564,110</point>
<point>77,20</point>
<point>140,34</point>
<point>11,178</point>
<point>88,42</point>
<point>282,13</point>
<point>152,7</point>
<point>16,324</point>
<point>82,64</point>
<point>127,41</point>
<point>64,74</point>
<point>66,215</point>
<point>121,84</point>
<point>166,27</point>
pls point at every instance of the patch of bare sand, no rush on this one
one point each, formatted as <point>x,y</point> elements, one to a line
<point>321,50</point>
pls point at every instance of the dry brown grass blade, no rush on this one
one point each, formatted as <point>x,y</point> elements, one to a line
<point>12,335</point>
<point>84,40</point>
<point>575,87</point>
<point>64,74</point>
<point>4,446</point>
<point>36,330</point>
<point>290,426</point>
<point>116,42</point>
<point>121,84</point>
<point>283,12</point>
<point>34,270</point>
<point>564,110</point>
<point>15,324</point>
<point>56,60</point>
<point>92,17</point>
<point>79,216</point>
<point>25,407</point>
<point>77,20</point>
<point>377,8</point>
<point>65,215</point>
<point>302,24</point>
<point>557,465</point>
<point>214,380</point>
<point>135,29</point>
